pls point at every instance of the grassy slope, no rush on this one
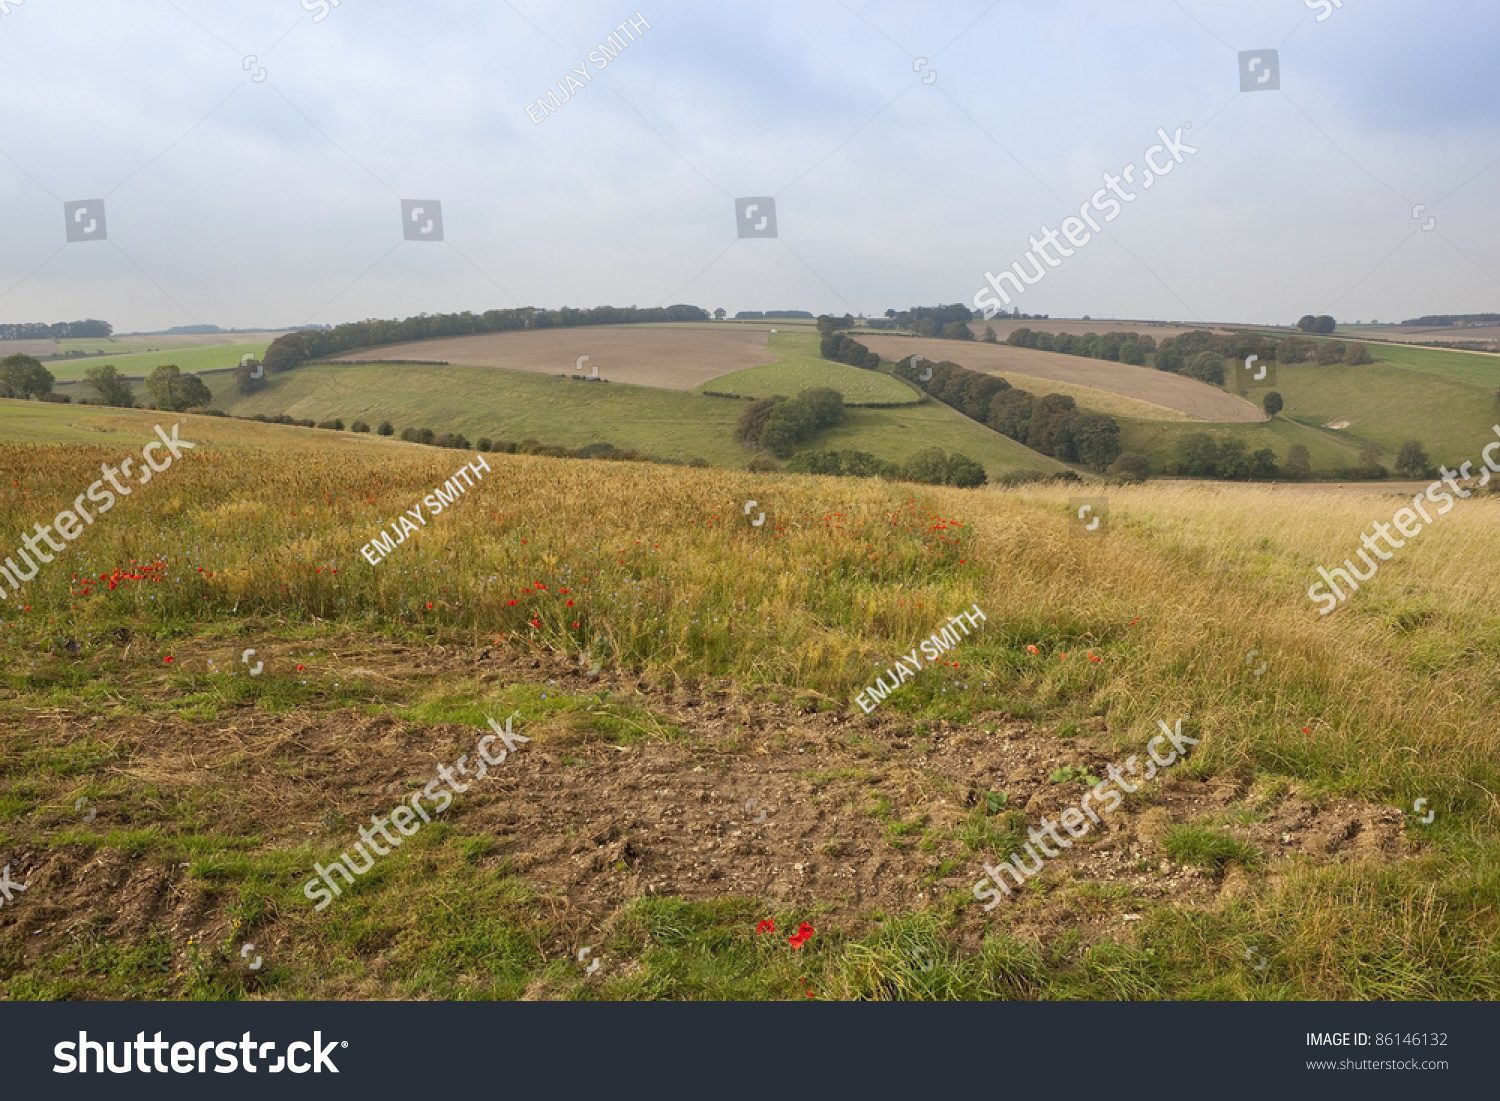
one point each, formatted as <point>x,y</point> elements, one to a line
<point>802,367</point>
<point>515,405</point>
<point>1384,701</point>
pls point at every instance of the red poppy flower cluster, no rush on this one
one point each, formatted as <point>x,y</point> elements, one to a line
<point>801,936</point>
<point>154,572</point>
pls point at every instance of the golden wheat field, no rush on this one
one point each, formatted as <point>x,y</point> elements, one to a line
<point>728,656</point>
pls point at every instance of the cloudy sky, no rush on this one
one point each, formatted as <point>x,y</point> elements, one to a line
<point>252,156</point>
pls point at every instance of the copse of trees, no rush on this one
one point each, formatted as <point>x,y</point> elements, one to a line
<point>1320,324</point>
<point>293,349</point>
<point>948,322</point>
<point>21,376</point>
<point>792,422</point>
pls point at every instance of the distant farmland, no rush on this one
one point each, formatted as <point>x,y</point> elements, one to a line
<point>661,357</point>
<point>1186,395</point>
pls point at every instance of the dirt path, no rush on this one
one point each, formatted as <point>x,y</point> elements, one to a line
<point>1186,395</point>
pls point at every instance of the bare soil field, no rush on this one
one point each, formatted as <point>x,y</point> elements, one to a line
<point>27,348</point>
<point>669,359</point>
<point>591,822</point>
<point>1185,395</point>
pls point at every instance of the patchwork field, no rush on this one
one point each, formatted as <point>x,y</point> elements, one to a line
<point>666,357</point>
<point>1185,395</point>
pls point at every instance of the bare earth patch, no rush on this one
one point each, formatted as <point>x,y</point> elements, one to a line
<point>666,358</point>
<point>833,813</point>
<point>1186,395</point>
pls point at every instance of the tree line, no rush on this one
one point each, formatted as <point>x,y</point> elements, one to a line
<point>63,330</point>
<point>1052,424</point>
<point>929,466</point>
<point>293,349</point>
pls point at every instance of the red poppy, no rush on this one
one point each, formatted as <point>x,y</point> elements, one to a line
<point>570,603</point>
<point>767,926</point>
<point>801,937</point>
<point>300,668</point>
<point>1032,649</point>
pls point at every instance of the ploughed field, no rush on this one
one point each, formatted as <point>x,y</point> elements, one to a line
<point>668,358</point>
<point>1185,395</point>
<point>687,762</point>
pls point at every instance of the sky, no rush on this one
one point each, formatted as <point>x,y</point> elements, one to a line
<point>252,157</point>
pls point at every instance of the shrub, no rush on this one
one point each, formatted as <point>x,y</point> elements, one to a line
<point>861,464</point>
<point>1131,467</point>
<point>964,472</point>
<point>1206,367</point>
<point>698,462</point>
<point>752,420</point>
<point>1412,460</point>
<point>1357,354</point>
<point>816,462</point>
<point>335,424</point>
<point>761,464</point>
<point>1298,463</point>
<point>61,398</point>
<point>1194,455</point>
<point>482,445</point>
<point>587,451</point>
<point>386,428</point>
<point>359,426</point>
<point>1271,403</point>
<point>789,424</point>
<point>1330,352</point>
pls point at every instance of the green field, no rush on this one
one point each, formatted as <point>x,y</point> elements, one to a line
<point>1157,439</point>
<point>140,364</point>
<point>801,367</point>
<point>517,405</point>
